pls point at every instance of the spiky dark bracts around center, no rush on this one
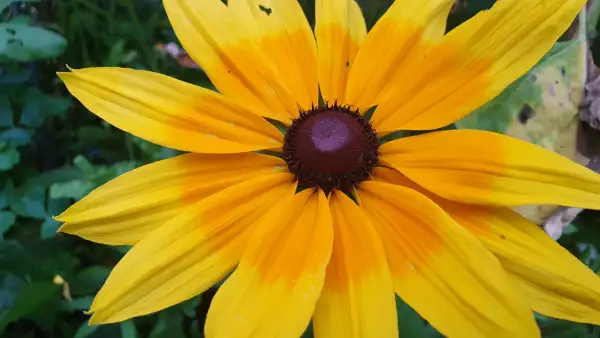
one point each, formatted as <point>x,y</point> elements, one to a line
<point>331,147</point>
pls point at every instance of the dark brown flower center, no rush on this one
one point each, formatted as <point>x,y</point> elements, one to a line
<point>331,147</point>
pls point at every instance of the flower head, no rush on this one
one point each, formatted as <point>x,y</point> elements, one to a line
<point>327,223</point>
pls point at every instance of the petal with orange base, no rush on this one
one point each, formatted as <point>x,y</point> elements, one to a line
<point>553,281</point>
<point>169,112</point>
<point>481,167</point>
<point>441,270</point>
<point>358,296</point>
<point>128,208</point>
<point>274,290</point>
<point>190,253</point>
<point>287,40</point>
<point>340,30</point>
<point>473,63</point>
<point>226,43</point>
<point>396,43</point>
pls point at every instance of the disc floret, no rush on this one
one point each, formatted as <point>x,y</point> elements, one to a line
<point>331,146</point>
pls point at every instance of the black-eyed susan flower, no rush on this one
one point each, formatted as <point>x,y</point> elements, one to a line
<point>336,224</point>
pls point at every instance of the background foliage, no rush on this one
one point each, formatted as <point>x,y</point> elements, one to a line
<point>52,152</point>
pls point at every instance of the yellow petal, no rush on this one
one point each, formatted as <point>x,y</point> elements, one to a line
<point>340,29</point>
<point>274,290</point>
<point>480,167</point>
<point>170,112</point>
<point>225,41</point>
<point>287,40</point>
<point>132,205</point>
<point>396,42</point>
<point>190,253</point>
<point>358,296</point>
<point>441,270</point>
<point>553,281</point>
<point>474,63</point>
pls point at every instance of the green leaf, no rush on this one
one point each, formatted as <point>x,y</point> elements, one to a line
<point>161,327</point>
<point>431,332</point>
<point>155,152</point>
<point>6,194</point>
<point>89,280</point>
<point>30,202</point>
<point>115,55</point>
<point>6,112</point>
<point>80,304</point>
<point>587,223</point>
<point>49,228</point>
<point>117,169</point>
<point>33,105</point>
<point>94,134</point>
<point>196,331</point>
<point>15,137</point>
<point>122,249</point>
<point>595,265</point>
<point>74,189</point>
<point>48,178</point>
<point>410,324</point>
<point>57,206</point>
<point>589,251</point>
<point>14,75</point>
<point>21,19</point>
<point>7,219</point>
<point>93,176</point>
<point>9,288</point>
<point>593,15</point>
<point>47,313</point>
<point>85,330</point>
<point>9,157</point>
<point>6,3</point>
<point>26,43</point>
<point>56,105</point>
<point>168,325</point>
<point>128,329</point>
<point>308,333</point>
<point>28,301</point>
<point>570,229</point>
<point>563,329</point>
<point>14,259</point>
<point>82,163</point>
<point>37,106</point>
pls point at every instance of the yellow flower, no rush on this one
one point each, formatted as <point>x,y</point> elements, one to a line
<point>431,221</point>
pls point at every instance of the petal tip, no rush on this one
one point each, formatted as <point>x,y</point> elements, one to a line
<point>69,228</point>
<point>59,218</point>
<point>65,216</point>
<point>100,317</point>
<point>62,228</point>
<point>62,74</point>
<point>94,319</point>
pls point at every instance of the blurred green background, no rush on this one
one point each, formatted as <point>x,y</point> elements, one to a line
<point>53,151</point>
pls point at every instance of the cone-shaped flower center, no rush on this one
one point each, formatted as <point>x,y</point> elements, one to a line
<point>331,147</point>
